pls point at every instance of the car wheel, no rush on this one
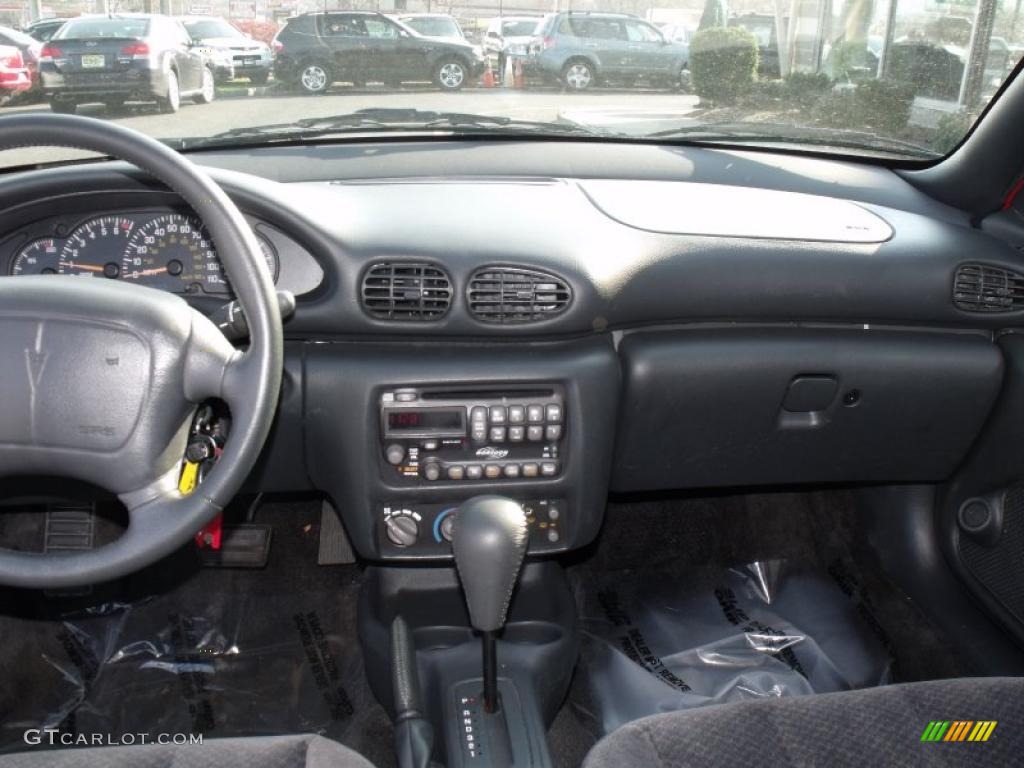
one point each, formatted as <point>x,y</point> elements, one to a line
<point>63,107</point>
<point>208,90</point>
<point>578,75</point>
<point>171,101</point>
<point>259,78</point>
<point>315,78</point>
<point>450,75</point>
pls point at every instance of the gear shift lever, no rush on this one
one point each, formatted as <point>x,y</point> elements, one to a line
<point>489,541</point>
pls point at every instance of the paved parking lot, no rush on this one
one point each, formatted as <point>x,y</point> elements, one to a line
<point>232,109</point>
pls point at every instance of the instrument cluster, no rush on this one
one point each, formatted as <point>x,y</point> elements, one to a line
<point>165,250</point>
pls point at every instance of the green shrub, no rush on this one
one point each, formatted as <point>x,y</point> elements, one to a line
<point>884,106</point>
<point>951,131</point>
<point>723,62</point>
<point>874,105</point>
<point>802,89</point>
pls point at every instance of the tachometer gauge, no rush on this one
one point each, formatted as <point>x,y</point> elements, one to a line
<point>94,249</point>
<point>38,257</point>
<point>171,252</point>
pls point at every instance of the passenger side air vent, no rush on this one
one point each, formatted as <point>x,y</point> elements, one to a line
<point>981,288</point>
<point>511,295</point>
<point>405,291</point>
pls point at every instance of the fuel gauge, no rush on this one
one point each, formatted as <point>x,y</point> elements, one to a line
<point>38,257</point>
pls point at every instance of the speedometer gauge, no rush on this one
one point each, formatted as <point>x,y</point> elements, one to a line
<point>94,249</point>
<point>38,257</point>
<point>171,252</point>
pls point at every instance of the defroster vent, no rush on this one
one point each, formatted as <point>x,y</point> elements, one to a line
<point>512,295</point>
<point>406,291</point>
<point>983,288</point>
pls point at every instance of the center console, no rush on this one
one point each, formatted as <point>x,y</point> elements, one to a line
<point>400,434</point>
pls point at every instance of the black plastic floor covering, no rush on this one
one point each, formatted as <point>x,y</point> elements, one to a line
<point>178,649</point>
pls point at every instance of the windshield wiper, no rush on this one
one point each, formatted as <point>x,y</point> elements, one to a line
<point>385,120</point>
<point>777,133</point>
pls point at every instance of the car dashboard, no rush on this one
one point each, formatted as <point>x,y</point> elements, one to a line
<point>556,321</point>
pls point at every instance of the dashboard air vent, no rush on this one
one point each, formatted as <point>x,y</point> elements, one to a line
<point>512,295</point>
<point>982,288</point>
<point>406,291</point>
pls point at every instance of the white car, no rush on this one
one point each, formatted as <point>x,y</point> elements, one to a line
<point>509,36</point>
<point>232,52</point>
<point>439,25</point>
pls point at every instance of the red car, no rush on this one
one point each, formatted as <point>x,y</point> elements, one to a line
<point>14,75</point>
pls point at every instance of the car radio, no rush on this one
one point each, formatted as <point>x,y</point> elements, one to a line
<point>458,436</point>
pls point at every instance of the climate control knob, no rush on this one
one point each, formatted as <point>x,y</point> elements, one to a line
<point>432,470</point>
<point>402,531</point>
<point>395,454</point>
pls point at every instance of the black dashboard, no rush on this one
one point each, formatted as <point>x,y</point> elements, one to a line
<point>699,318</point>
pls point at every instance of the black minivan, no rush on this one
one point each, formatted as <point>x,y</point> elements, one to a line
<point>316,50</point>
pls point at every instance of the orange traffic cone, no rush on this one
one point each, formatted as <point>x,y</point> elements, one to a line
<point>518,77</point>
<point>508,76</point>
<point>488,80</point>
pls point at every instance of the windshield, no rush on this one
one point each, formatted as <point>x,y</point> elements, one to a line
<point>860,78</point>
<point>520,28</point>
<point>211,28</point>
<point>82,29</point>
<point>433,26</point>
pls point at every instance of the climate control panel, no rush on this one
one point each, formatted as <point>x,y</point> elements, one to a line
<point>426,529</point>
<point>434,436</point>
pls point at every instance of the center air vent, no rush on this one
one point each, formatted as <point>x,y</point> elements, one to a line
<point>405,291</point>
<point>510,295</point>
<point>981,288</point>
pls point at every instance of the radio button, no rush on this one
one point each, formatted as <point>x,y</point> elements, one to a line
<point>535,414</point>
<point>553,432</point>
<point>456,472</point>
<point>530,470</point>
<point>492,471</point>
<point>474,472</point>
<point>478,415</point>
<point>549,468</point>
<point>498,414</point>
<point>516,434</point>
<point>553,512</point>
<point>432,470</point>
<point>497,434</point>
<point>395,454</point>
<point>535,433</point>
<point>405,397</point>
<point>429,445</point>
<point>511,470</point>
<point>516,414</point>
<point>554,413</point>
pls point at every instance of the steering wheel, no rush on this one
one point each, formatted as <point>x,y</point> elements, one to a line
<point>99,380</point>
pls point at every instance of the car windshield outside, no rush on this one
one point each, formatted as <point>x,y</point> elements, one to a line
<point>897,80</point>
<point>433,26</point>
<point>204,29</point>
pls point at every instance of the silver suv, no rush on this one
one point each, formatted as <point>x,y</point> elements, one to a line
<point>580,49</point>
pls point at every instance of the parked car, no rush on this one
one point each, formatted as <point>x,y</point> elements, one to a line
<point>232,52</point>
<point>581,49</point>
<point>29,47</point>
<point>124,57</point>
<point>433,25</point>
<point>676,33</point>
<point>43,29</point>
<point>509,36</point>
<point>316,50</point>
<point>14,75</point>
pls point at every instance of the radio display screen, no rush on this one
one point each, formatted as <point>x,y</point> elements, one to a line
<point>432,418</point>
